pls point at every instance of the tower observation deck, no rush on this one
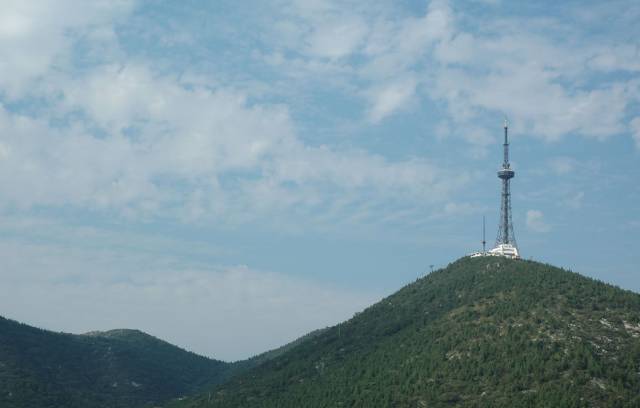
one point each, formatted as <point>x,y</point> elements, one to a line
<point>506,240</point>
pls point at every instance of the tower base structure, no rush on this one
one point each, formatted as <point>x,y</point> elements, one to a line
<point>506,250</point>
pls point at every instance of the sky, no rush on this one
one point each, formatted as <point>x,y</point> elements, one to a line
<point>228,176</point>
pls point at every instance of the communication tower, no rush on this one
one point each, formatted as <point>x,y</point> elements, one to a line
<point>506,240</point>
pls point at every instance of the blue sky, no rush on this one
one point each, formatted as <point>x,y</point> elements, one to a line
<point>231,175</point>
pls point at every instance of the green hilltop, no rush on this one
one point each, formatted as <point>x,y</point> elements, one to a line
<point>118,368</point>
<point>481,332</point>
<point>115,368</point>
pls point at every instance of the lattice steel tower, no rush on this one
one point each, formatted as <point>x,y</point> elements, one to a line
<point>506,240</point>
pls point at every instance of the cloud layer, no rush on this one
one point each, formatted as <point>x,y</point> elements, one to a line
<point>117,134</point>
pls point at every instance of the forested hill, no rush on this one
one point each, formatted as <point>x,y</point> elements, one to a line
<point>119,368</point>
<point>483,332</point>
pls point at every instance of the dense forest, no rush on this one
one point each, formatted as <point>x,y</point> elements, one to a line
<point>481,332</point>
<point>119,368</point>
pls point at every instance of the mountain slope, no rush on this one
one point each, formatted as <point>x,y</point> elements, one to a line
<point>118,368</point>
<point>277,352</point>
<point>481,332</point>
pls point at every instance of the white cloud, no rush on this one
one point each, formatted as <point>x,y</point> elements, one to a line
<point>130,140</point>
<point>200,151</point>
<point>38,36</point>
<point>44,166</point>
<point>390,98</point>
<point>157,130</point>
<point>619,58</point>
<point>389,46</point>
<point>562,165</point>
<point>411,37</point>
<point>535,221</point>
<point>529,93</point>
<point>336,39</point>
<point>531,70</point>
<point>531,73</point>
<point>635,130</point>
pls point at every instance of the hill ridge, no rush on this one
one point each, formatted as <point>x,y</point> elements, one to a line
<point>480,332</point>
<point>121,368</point>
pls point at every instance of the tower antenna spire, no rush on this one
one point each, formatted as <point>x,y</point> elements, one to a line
<point>506,144</point>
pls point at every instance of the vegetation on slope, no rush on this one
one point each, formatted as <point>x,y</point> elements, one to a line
<point>277,352</point>
<point>481,332</point>
<point>119,368</point>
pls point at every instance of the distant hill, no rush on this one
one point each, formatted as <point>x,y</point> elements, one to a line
<point>118,368</point>
<point>483,332</point>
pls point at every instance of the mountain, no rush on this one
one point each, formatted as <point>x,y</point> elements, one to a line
<point>118,368</point>
<point>482,332</point>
